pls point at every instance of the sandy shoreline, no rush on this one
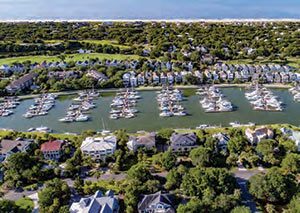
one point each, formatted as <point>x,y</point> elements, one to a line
<point>228,20</point>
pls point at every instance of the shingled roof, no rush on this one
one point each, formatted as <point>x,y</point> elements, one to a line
<point>149,203</point>
<point>52,146</point>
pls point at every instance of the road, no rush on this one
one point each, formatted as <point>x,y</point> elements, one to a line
<point>13,195</point>
<point>242,176</point>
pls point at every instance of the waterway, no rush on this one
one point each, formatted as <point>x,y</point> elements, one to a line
<point>148,118</point>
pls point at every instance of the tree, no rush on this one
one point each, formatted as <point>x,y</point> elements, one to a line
<point>269,150</point>
<point>174,177</point>
<point>122,138</point>
<point>74,164</point>
<point>21,169</point>
<point>201,156</point>
<point>55,195</point>
<point>78,185</point>
<point>140,172</point>
<point>138,181</point>
<point>274,186</point>
<point>241,209</point>
<point>236,145</point>
<point>193,206</point>
<point>7,206</point>
<point>191,79</point>
<point>291,163</point>
<point>199,181</point>
<point>164,134</point>
<point>168,160</point>
<point>294,205</point>
<point>270,208</point>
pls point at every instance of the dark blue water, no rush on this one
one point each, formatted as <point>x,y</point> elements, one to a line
<point>148,9</point>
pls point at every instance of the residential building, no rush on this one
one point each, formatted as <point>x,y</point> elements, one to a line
<point>99,76</point>
<point>147,141</point>
<point>293,135</point>
<point>255,136</point>
<point>133,81</point>
<point>97,203</point>
<point>64,74</point>
<point>99,148</point>
<point>126,79</point>
<point>141,79</point>
<point>52,150</point>
<point>183,142</point>
<point>22,83</point>
<point>222,141</point>
<point>156,203</point>
<point>4,68</point>
<point>9,147</point>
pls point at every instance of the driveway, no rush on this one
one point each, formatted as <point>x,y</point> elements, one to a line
<point>13,195</point>
<point>34,197</point>
<point>242,177</point>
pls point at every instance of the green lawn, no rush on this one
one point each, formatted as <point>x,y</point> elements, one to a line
<point>103,42</point>
<point>108,42</point>
<point>294,62</point>
<point>69,57</point>
<point>26,204</point>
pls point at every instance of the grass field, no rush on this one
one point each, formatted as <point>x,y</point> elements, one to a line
<point>107,42</point>
<point>102,42</point>
<point>26,204</point>
<point>69,57</point>
<point>294,62</point>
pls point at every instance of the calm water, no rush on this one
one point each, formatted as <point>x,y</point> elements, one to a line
<point>145,9</point>
<point>148,118</point>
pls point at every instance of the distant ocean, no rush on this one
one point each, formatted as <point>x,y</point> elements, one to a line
<point>148,9</point>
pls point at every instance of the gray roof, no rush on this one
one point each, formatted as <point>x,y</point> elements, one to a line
<point>22,80</point>
<point>96,204</point>
<point>149,203</point>
<point>13,146</point>
<point>187,139</point>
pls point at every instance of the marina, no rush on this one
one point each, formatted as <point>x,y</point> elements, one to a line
<point>262,99</point>
<point>7,106</point>
<point>148,118</point>
<point>212,100</point>
<point>295,91</point>
<point>169,102</point>
<point>41,106</point>
<point>80,107</point>
<point>124,104</point>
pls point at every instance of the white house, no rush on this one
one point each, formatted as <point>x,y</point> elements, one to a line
<point>99,148</point>
<point>255,136</point>
<point>98,202</point>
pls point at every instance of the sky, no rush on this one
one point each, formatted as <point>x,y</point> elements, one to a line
<point>148,9</point>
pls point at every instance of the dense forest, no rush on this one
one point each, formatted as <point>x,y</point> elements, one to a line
<point>178,41</point>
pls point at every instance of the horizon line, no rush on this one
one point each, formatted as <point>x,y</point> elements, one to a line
<point>155,20</point>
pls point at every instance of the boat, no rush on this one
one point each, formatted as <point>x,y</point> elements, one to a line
<point>43,129</point>
<point>81,118</point>
<point>202,126</point>
<point>30,129</point>
<point>165,114</point>
<point>129,115</point>
<point>67,119</point>
<point>180,113</point>
<point>114,116</point>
